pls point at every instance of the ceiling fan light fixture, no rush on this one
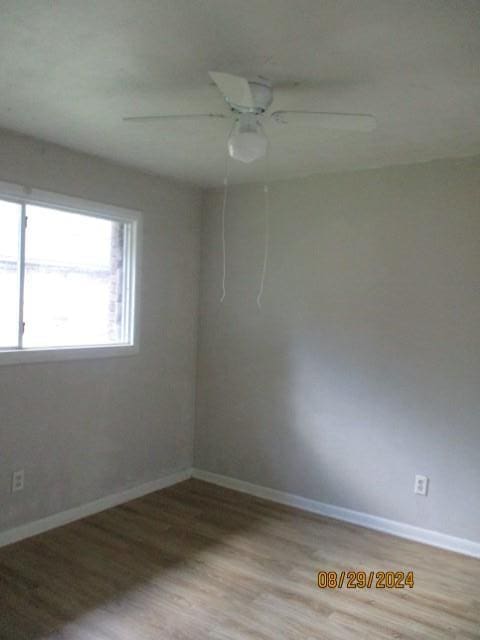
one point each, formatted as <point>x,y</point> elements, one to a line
<point>247,141</point>
<point>250,99</point>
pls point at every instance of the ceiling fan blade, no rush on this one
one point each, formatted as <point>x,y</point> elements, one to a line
<point>345,121</point>
<point>234,89</point>
<point>186,116</point>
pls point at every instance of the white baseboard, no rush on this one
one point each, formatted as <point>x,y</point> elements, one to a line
<point>64,517</point>
<point>410,532</point>
<point>433,538</point>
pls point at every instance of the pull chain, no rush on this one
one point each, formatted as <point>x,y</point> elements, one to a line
<point>266,246</point>
<point>267,230</point>
<point>267,235</point>
<point>224,246</point>
<point>224,211</point>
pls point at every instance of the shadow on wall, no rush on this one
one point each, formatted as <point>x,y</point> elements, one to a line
<point>362,367</point>
<point>347,415</point>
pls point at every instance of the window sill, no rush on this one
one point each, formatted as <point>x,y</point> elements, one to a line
<point>59,354</point>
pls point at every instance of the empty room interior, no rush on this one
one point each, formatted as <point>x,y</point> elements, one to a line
<point>239,320</point>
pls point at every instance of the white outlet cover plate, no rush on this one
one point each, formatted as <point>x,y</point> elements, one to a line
<point>17,480</point>
<point>421,485</point>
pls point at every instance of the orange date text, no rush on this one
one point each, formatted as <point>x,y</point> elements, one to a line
<point>365,579</point>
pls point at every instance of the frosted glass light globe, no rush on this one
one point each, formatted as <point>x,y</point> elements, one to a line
<point>247,141</point>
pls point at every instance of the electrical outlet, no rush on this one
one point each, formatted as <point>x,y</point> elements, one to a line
<point>421,485</point>
<point>18,478</point>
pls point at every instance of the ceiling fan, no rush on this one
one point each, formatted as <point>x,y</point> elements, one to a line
<point>249,101</point>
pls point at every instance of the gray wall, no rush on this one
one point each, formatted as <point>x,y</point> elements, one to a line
<point>363,366</point>
<point>85,429</point>
<point>361,369</point>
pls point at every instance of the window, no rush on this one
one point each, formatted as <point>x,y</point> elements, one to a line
<point>67,278</point>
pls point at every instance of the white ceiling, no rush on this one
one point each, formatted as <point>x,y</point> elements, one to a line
<point>70,70</point>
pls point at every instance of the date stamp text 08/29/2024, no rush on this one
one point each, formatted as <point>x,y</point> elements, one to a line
<point>365,579</point>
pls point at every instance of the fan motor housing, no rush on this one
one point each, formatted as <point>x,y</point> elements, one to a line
<point>262,94</point>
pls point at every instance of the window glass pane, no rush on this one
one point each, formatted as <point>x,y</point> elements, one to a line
<point>10,218</point>
<point>74,272</point>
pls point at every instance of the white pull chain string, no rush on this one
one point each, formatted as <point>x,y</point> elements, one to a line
<point>267,242</point>
<point>224,210</point>
<point>267,236</point>
<point>224,246</point>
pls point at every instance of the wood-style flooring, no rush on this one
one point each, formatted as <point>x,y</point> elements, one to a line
<point>196,561</point>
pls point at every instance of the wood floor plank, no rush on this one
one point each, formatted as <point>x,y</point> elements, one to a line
<point>200,562</point>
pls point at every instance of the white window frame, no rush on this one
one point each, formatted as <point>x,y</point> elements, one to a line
<point>25,196</point>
